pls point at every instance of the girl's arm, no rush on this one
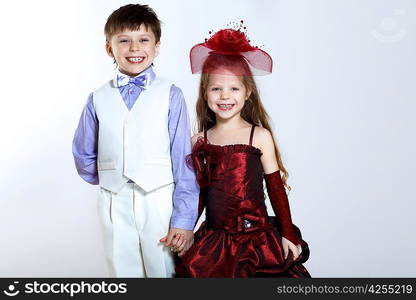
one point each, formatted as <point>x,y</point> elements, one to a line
<point>275,187</point>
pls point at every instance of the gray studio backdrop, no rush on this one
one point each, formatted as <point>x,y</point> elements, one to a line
<point>341,97</point>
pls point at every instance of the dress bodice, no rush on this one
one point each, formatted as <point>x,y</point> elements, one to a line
<point>236,170</point>
<point>231,178</point>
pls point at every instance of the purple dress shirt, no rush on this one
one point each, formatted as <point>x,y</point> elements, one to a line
<point>186,193</point>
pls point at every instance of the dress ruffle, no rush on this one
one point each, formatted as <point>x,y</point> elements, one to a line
<point>258,253</point>
<point>207,159</point>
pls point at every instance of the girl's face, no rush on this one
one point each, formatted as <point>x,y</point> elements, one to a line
<point>226,95</point>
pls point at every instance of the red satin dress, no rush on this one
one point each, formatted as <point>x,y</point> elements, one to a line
<point>238,238</point>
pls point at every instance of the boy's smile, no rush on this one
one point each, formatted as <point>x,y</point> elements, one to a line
<point>135,59</point>
<point>134,51</point>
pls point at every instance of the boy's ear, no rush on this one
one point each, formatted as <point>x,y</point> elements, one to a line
<point>157,48</point>
<point>109,49</point>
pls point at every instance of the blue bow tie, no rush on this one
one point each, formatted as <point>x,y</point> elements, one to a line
<point>140,81</point>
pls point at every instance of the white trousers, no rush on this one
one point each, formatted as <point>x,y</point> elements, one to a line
<point>133,223</point>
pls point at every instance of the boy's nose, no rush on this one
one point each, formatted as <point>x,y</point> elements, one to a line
<point>134,46</point>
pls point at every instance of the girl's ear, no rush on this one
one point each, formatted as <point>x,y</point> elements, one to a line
<point>248,95</point>
<point>109,49</point>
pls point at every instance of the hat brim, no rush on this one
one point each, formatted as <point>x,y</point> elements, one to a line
<point>259,61</point>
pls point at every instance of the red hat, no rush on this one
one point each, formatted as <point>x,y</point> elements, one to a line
<point>227,47</point>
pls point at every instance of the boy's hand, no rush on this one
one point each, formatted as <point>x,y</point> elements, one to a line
<point>179,240</point>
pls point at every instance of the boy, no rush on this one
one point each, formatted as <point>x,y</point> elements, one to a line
<point>132,140</point>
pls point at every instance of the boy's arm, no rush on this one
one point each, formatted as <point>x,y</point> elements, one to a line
<point>85,144</point>
<point>186,193</point>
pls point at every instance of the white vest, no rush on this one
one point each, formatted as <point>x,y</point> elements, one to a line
<point>133,144</point>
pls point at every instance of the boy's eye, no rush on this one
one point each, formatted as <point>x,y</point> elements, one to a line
<point>123,41</point>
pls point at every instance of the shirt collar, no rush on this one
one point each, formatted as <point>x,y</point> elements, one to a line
<point>149,72</point>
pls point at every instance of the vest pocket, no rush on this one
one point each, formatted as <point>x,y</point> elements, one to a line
<point>106,165</point>
<point>157,161</point>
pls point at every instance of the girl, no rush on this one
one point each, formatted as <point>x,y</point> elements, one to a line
<point>231,155</point>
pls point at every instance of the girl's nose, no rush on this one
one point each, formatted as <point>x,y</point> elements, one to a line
<point>225,94</point>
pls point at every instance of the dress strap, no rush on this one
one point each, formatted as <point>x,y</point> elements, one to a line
<point>205,136</point>
<point>251,135</point>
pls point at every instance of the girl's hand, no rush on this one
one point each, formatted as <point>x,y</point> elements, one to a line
<point>185,248</point>
<point>288,245</point>
<point>179,240</point>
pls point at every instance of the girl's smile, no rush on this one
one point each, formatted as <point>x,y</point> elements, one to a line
<point>225,107</point>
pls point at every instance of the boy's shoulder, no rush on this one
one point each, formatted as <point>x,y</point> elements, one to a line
<point>174,90</point>
<point>167,81</point>
<point>108,84</point>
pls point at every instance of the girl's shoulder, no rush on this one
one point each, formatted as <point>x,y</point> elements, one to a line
<point>261,131</point>
<point>262,137</point>
<point>196,137</point>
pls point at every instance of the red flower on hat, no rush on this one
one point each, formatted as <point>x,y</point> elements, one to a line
<point>230,44</point>
<point>228,40</point>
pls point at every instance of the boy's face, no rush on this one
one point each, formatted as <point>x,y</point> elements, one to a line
<point>133,51</point>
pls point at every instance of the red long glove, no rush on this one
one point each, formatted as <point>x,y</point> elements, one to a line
<point>280,204</point>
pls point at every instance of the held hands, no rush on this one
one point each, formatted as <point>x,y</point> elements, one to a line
<point>179,240</point>
<point>288,245</point>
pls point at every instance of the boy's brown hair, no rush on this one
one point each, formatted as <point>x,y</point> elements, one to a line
<point>131,17</point>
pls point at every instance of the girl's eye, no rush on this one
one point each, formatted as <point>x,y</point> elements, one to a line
<point>144,40</point>
<point>235,89</point>
<point>214,89</point>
